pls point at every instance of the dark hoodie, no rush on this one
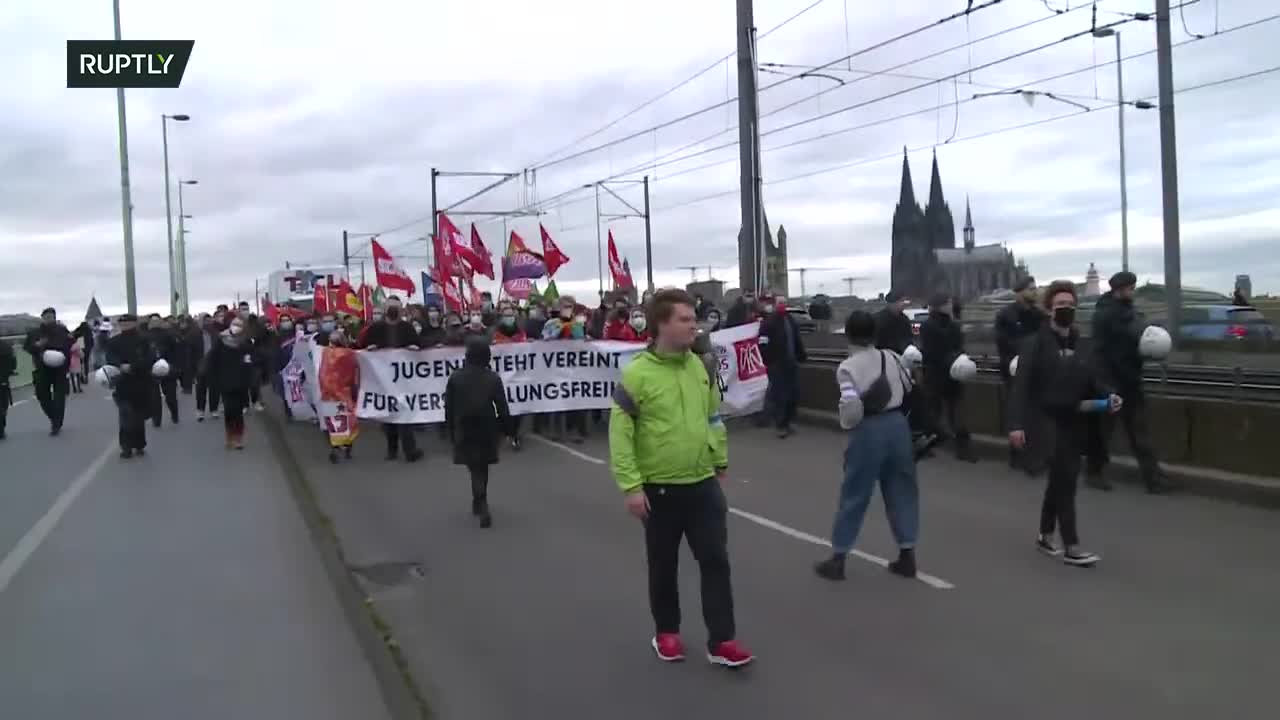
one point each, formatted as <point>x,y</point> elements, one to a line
<point>941,340</point>
<point>56,337</point>
<point>476,412</point>
<point>133,349</point>
<point>1117,326</point>
<point>232,361</point>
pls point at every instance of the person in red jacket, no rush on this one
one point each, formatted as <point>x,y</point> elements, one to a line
<point>636,329</point>
<point>617,327</point>
<point>508,329</point>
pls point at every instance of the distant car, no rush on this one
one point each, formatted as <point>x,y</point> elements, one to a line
<point>803,322</point>
<point>1225,322</point>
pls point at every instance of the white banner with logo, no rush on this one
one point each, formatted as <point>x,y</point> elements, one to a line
<point>408,386</point>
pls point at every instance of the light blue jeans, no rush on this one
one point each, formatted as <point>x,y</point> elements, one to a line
<point>879,451</point>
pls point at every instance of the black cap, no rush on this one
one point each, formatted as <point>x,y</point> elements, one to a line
<point>48,311</point>
<point>1123,279</point>
<point>1024,283</point>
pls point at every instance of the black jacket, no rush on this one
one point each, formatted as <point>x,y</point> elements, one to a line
<point>8,364</point>
<point>775,352</point>
<point>1052,379</point>
<point>387,334</point>
<point>1014,324</point>
<point>133,354</point>
<point>231,366</point>
<point>56,337</point>
<point>1117,326</point>
<point>941,340</point>
<point>893,330</point>
<point>475,410</point>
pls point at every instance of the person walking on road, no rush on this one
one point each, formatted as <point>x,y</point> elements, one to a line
<point>783,351</point>
<point>1016,322</point>
<point>668,450</point>
<point>46,344</point>
<point>1058,384</point>
<point>874,392</point>
<point>232,366</point>
<point>1117,327</point>
<point>393,331</point>
<point>8,368</point>
<point>477,416</point>
<point>941,342</point>
<point>133,356</point>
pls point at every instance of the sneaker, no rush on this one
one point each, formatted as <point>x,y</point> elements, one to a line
<point>1080,558</point>
<point>200,416</point>
<point>414,456</point>
<point>1046,545</point>
<point>516,443</point>
<point>140,452</point>
<point>126,454</point>
<point>259,407</point>
<point>218,414</point>
<point>668,647</point>
<point>730,654</point>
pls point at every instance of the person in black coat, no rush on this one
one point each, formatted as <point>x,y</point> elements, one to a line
<point>782,351</point>
<point>133,355</point>
<point>942,341</point>
<point>232,365</point>
<point>1117,327</point>
<point>8,368</point>
<point>893,327</point>
<point>51,383</point>
<point>1016,322</point>
<point>1057,384</point>
<point>477,416</point>
<point>165,342</point>
<point>394,331</point>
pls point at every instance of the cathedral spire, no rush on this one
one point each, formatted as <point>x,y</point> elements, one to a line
<point>935,184</point>
<point>907,195</point>
<point>968,226</point>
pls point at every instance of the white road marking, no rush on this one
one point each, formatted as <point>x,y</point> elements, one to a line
<point>930,580</point>
<point>24,400</point>
<point>18,556</point>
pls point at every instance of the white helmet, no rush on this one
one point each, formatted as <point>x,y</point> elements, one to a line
<point>53,359</point>
<point>160,369</point>
<point>911,356</point>
<point>964,369</point>
<point>1155,343</point>
<point>1013,366</point>
<point>107,376</point>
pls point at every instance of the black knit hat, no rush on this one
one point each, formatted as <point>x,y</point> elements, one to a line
<point>1123,279</point>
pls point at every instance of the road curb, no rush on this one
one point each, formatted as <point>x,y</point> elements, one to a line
<point>1250,490</point>
<point>400,692</point>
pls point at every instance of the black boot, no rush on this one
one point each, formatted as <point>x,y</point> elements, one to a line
<point>831,569</point>
<point>1098,481</point>
<point>905,565</point>
<point>486,520</point>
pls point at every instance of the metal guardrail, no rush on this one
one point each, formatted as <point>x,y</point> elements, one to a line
<point>1217,382</point>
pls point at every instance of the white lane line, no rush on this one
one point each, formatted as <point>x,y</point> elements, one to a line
<point>931,580</point>
<point>18,556</point>
<point>24,400</point>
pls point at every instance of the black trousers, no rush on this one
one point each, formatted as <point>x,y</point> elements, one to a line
<point>946,411</point>
<point>132,413</point>
<point>782,395</point>
<point>1058,511</point>
<point>6,398</point>
<point>234,402</point>
<point>207,394</point>
<point>698,512</point>
<point>398,436</point>
<point>1133,417</point>
<point>51,393</point>
<point>479,482</point>
<point>164,390</point>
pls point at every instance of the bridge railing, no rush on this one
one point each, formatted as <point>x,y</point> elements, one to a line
<point>23,378</point>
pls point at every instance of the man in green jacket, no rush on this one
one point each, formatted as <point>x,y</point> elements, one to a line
<point>668,450</point>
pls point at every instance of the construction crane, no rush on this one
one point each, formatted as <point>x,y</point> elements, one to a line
<point>849,281</point>
<point>693,271</point>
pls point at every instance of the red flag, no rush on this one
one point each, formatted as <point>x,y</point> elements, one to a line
<point>551,254</point>
<point>346,300</point>
<point>517,245</point>
<point>452,298</point>
<point>473,295</point>
<point>446,246</point>
<point>621,278</point>
<point>320,300</point>
<point>366,302</point>
<point>388,272</point>
<point>474,252</point>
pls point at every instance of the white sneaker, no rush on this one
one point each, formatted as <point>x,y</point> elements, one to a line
<point>215,414</point>
<point>200,416</point>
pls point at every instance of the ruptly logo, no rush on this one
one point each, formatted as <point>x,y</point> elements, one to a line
<point>127,63</point>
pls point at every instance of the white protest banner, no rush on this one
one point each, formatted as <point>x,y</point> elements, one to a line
<point>408,386</point>
<point>295,375</point>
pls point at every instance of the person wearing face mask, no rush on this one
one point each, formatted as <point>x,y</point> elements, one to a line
<point>286,336</point>
<point>1060,386</point>
<point>508,329</point>
<point>133,355</point>
<point>567,325</point>
<point>1016,322</point>
<point>232,365</point>
<point>311,327</point>
<point>488,312</point>
<point>328,326</point>
<point>164,343</point>
<point>711,322</point>
<point>1117,327</point>
<point>617,328</point>
<point>454,330</point>
<point>536,321</point>
<point>433,330</point>
<point>941,341</point>
<point>782,351</point>
<point>635,329</point>
<point>51,382</point>
<point>394,331</point>
<point>476,415</point>
<point>475,326</point>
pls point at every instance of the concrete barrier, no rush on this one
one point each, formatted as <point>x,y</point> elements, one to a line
<point>1217,435</point>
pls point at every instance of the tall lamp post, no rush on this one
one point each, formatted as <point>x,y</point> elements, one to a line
<point>168,214</point>
<point>182,248</point>
<point>126,201</point>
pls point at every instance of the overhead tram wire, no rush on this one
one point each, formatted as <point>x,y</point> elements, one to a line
<point>976,136</point>
<point>672,89</point>
<point>941,106</point>
<point>687,116</point>
<point>868,76</point>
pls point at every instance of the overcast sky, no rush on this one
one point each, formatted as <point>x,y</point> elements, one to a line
<point>313,117</point>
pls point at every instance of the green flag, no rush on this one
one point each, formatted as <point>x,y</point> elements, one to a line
<point>379,297</point>
<point>552,294</point>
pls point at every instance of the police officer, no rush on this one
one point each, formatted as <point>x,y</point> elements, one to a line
<point>165,345</point>
<point>942,341</point>
<point>1015,323</point>
<point>51,383</point>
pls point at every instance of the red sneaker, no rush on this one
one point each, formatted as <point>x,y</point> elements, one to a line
<point>730,654</point>
<point>668,647</point>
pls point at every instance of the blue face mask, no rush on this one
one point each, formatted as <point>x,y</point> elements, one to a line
<point>327,326</point>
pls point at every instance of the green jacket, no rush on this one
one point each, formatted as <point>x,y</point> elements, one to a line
<point>665,425</point>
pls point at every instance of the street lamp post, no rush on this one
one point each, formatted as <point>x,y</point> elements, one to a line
<point>126,202</point>
<point>1124,183</point>
<point>168,211</point>
<point>181,249</point>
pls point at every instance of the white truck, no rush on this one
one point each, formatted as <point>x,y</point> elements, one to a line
<point>296,285</point>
